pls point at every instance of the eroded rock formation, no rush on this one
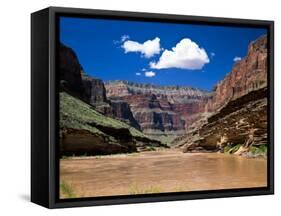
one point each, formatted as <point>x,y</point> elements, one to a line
<point>247,75</point>
<point>89,122</point>
<point>242,121</point>
<point>159,110</point>
<point>83,130</point>
<point>236,114</point>
<point>70,71</point>
<point>89,89</point>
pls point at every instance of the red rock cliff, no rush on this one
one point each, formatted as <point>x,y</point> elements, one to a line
<point>237,111</point>
<point>160,110</point>
<point>91,90</point>
<point>247,75</point>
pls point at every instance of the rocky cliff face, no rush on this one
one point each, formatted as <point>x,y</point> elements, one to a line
<point>237,111</point>
<point>154,110</point>
<point>247,75</point>
<point>70,71</point>
<point>122,111</point>
<point>89,122</point>
<point>83,130</point>
<point>233,114</point>
<point>74,81</point>
<point>241,122</point>
<point>94,94</point>
<point>159,110</point>
<point>89,89</point>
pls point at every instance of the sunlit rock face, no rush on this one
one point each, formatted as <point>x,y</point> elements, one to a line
<point>236,114</point>
<point>159,110</point>
<point>248,74</point>
<point>91,90</point>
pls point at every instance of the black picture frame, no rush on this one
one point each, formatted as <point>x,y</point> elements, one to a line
<point>44,107</point>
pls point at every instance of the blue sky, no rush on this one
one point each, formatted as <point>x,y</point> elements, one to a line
<point>142,51</point>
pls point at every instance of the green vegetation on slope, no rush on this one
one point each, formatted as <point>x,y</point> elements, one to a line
<point>166,139</point>
<point>77,114</point>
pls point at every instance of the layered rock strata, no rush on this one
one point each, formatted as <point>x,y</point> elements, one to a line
<point>159,110</point>
<point>236,113</point>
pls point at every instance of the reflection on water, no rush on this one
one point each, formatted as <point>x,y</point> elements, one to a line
<point>164,171</point>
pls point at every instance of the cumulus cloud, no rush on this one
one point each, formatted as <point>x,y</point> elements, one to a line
<point>185,55</point>
<point>148,49</point>
<point>138,74</point>
<point>149,73</point>
<point>237,58</point>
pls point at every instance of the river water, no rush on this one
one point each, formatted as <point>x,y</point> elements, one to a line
<point>161,171</point>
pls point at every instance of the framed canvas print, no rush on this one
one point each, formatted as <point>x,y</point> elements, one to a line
<point>138,107</point>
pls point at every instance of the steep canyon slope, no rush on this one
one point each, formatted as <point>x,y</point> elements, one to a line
<point>89,122</point>
<point>235,118</point>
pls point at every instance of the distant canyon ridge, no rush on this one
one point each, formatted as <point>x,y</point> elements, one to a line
<point>235,112</point>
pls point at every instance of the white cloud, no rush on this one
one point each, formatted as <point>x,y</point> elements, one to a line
<point>213,54</point>
<point>237,58</point>
<point>185,55</point>
<point>124,38</point>
<point>138,74</point>
<point>149,74</point>
<point>143,69</point>
<point>148,49</point>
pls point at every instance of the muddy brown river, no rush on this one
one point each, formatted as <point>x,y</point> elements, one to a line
<point>156,172</point>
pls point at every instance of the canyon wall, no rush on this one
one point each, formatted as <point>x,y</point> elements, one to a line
<point>159,110</point>
<point>236,113</point>
<point>89,89</point>
<point>70,72</point>
<point>248,74</point>
<point>198,119</point>
<point>90,124</point>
